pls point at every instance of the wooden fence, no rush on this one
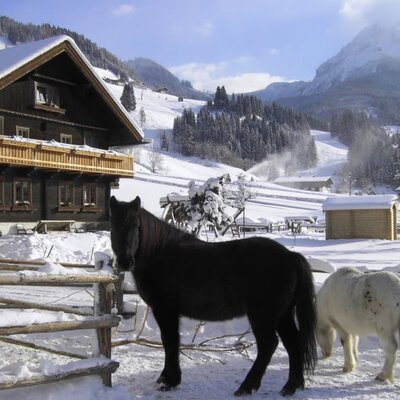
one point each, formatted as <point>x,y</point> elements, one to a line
<point>98,317</point>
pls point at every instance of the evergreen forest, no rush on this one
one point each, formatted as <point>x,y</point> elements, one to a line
<point>374,153</point>
<point>240,130</point>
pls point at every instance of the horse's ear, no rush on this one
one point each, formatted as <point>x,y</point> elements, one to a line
<point>113,202</point>
<point>136,203</point>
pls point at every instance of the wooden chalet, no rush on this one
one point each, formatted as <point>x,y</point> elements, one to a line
<point>365,217</point>
<point>58,121</point>
<point>314,183</point>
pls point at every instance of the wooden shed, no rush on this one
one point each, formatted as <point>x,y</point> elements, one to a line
<point>366,217</point>
<point>314,183</point>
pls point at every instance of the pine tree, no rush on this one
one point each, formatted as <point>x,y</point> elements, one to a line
<point>128,98</point>
<point>164,141</point>
<point>221,100</point>
<point>188,143</point>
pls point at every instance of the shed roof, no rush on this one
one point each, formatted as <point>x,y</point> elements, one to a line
<point>16,61</point>
<point>380,201</point>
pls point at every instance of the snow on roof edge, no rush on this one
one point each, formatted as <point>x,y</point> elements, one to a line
<point>382,201</point>
<point>34,49</point>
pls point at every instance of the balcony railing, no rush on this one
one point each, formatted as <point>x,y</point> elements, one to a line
<point>48,155</point>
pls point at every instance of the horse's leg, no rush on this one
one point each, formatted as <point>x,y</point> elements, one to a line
<point>262,324</point>
<point>326,336</point>
<point>290,337</point>
<point>168,322</point>
<point>355,347</point>
<point>389,344</point>
<point>347,341</point>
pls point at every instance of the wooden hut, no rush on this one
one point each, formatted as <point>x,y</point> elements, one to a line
<point>58,124</point>
<point>314,183</point>
<point>367,217</point>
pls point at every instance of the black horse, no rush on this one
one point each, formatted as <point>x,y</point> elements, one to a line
<point>178,274</point>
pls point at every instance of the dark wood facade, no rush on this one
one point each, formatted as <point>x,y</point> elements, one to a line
<point>31,195</point>
<point>57,122</point>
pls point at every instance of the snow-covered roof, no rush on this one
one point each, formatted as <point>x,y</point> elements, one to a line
<point>16,57</point>
<point>307,178</point>
<point>381,201</point>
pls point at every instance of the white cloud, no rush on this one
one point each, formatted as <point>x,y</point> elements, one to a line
<point>205,29</point>
<point>208,76</point>
<point>123,9</point>
<point>177,29</point>
<point>247,82</point>
<point>273,51</point>
<point>357,14</point>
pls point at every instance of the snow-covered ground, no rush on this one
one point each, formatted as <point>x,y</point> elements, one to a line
<point>206,374</point>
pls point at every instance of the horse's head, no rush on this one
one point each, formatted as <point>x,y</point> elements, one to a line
<point>124,221</point>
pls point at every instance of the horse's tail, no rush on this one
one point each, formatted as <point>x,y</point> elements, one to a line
<point>306,313</point>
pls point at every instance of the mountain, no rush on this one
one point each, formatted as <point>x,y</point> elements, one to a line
<point>156,76</point>
<point>150,73</point>
<point>364,76</point>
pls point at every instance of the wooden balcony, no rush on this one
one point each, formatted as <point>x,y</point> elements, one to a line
<point>41,154</point>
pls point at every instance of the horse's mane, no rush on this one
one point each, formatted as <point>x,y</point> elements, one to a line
<point>155,233</point>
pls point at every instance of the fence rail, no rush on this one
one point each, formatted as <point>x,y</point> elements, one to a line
<point>98,317</point>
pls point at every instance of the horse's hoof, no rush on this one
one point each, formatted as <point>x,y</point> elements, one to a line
<point>160,380</point>
<point>347,370</point>
<point>383,379</point>
<point>290,389</point>
<point>165,384</point>
<point>243,392</point>
<point>162,387</point>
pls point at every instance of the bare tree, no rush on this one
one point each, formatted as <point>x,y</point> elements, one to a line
<point>156,161</point>
<point>142,117</point>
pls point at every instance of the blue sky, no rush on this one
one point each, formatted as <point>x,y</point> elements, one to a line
<point>241,44</point>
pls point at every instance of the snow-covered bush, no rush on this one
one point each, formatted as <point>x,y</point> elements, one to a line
<point>212,203</point>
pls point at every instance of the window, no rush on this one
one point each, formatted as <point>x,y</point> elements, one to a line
<point>91,139</point>
<point>89,195</point>
<point>22,131</point>
<point>1,125</point>
<point>47,95</point>
<point>65,138</point>
<point>66,194</point>
<point>22,192</point>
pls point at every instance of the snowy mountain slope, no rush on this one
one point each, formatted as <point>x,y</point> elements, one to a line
<point>372,47</point>
<point>177,171</point>
<point>363,76</point>
<point>160,108</point>
<point>4,42</point>
<point>332,154</point>
<point>272,201</point>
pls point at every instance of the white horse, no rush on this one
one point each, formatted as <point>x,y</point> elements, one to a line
<point>357,304</point>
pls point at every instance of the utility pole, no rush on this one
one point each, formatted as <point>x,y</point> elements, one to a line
<point>349,183</point>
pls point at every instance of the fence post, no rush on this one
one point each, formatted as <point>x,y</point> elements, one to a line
<point>103,305</point>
